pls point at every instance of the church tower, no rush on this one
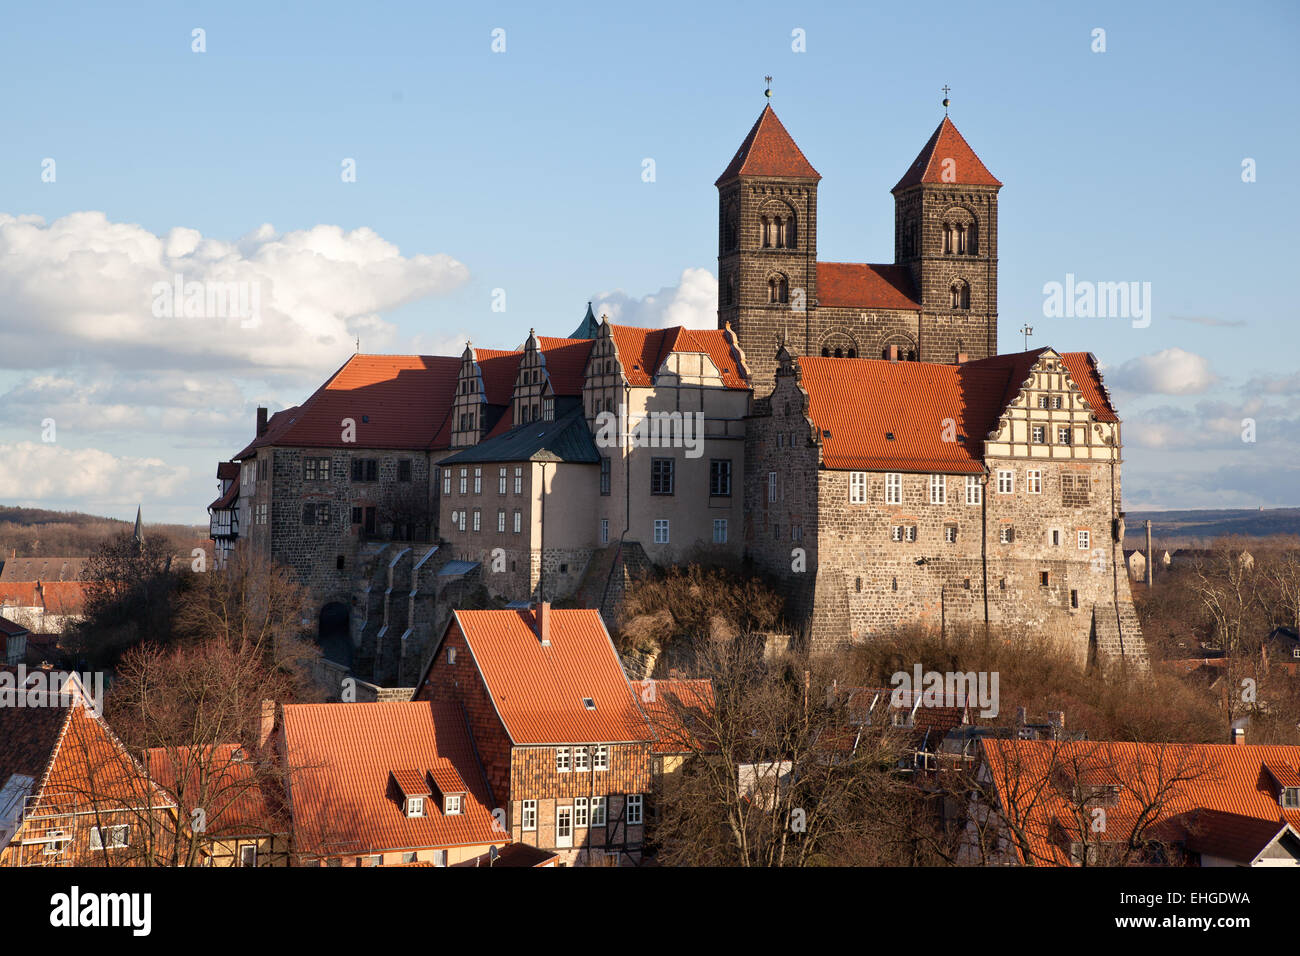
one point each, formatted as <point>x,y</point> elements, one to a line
<point>946,234</point>
<point>767,245</point>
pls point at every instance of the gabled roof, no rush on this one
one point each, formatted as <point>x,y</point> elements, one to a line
<point>42,569</point>
<point>499,368</point>
<point>856,404</point>
<point>768,150</point>
<point>1234,836</point>
<point>673,706</point>
<point>230,498</point>
<point>564,439</point>
<point>56,597</point>
<point>12,628</point>
<point>930,165</point>
<point>1081,366</point>
<point>864,286</point>
<point>566,362</point>
<point>539,691</point>
<point>227,470</point>
<point>239,796</point>
<point>342,757</point>
<point>642,351</point>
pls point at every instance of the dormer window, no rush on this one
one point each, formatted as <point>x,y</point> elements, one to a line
<point>589,703</point>
<point>451,804</point>
<point>415,806</point>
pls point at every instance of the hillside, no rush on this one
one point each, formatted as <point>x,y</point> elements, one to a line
<point>1196,528</point>
<point>36,532</point>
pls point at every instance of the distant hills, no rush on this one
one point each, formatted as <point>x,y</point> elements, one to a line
<point>1190,528</point>
<point>38,532</point>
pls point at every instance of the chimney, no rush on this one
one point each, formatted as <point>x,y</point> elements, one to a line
<point>893,353</point>
<point>544,623</point>
<point>267,724</point>
<point>1239,736</point>
<point>261,421</point>
<point>962,358</point>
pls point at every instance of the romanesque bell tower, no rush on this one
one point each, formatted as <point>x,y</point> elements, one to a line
<point>767,245</point>
<point>946,234</point>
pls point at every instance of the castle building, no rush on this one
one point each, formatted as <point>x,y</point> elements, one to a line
<point>937,302</point>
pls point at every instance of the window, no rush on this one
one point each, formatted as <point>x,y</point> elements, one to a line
<point>519,479</point>
<point>893,489</point>
<point>464,482</point>
<point>315,469</point>
<point>950,533</point>
<point>938,489</point>
<point>771,486</point>
<point>1056,538</point>
<point>580,762</point>
<point>404,470</point>
<point>564,826</point>
<point>720,477</point>
<point>634,807</point>
<point>478,481</point>
<point>600,758</point>
<point>1290,797</point>
<point>248,854</point>
<point>974,490</point>
<point>604,531</point>
<point>959,294</point>
<point>501,481</point>
<point>519,517</point>
<point>1074,599</point>
<point>262,467</point>
<point>375,860</point>
<point>501,521</point>
<point>528,815</point>
<point>1056,401</point>
<point>410,857</point>
<point>478,518</point>
<point>909,533</point>
<point>365,469</point>
<point>415,806</point>
<point>1006,482</point>
<point>661,476</point>
<point>719,530</point>
<point>261,514</point>
<point>1039,433</point>
<point>1034,482</point>
<point>778,290</point>
<point>548,409</point>
<point>857,487</point>
<point>1042,401</point>
<point>1063,435</point>
<point>452,804</point>
<point>580,817</point>
<point>446,482</point>
<point>896,532</point>
<point>1083,540</point>
<point>661,530</point>
<point>604,476</point>
<point>109,838</point>
<point>1044,579</point>
<point>561,759</point>
<point>1006,534</point>
<point>597,811</point>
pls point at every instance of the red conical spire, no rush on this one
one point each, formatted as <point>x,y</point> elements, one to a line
<point>768,150</point>
<point>932,166</point>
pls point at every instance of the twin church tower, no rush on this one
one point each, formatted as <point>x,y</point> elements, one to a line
<point>937,302</point>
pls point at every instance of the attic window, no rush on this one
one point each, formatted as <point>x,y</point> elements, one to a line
<point>826,433</point>
<point>451,804</point>
<point>1290,797</point>
<point>365,419</point>
<point>588,703</point>
<point>961,439</point>
<point>415,806</point>
<point>889,436</point>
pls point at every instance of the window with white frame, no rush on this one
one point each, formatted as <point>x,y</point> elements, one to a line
<point>581,764</point>
<point>501,481</point>
<point>1006,534</point>
<point>719,530</point>
<point>1042,401</point>
<point>478,481</point>
<point>661,530</point>
<point>1006,482</point>
<point>464,481</point>
<point>857,487</point>
<point>597,811</point>
<point>600,758</point>
<point>1034,481</point>
<point>561,759</point>
<point>896,532</point>
<point>519,519</point>
<point>1056,401</point>
<point>478,519</point>
<point>451,804</point>
<point>440,856</point>
<point>909,533</point>
<point>580,818</point>
<point>415,806</point>
<point>519,479</point>
<point>604,531</point>
<point>1039,433</point>
<point>528,815</point>
<point>938,489</point>
<point>974,490</point>
<point>110,838</point>
<point>771,486</point>
<point>893,489</point>
<point>1063,435</point>
<point>1083,540</point>
<point>950,533</point>
<point>501,520</point>
<point>635,805</point>
<point>446,482</point>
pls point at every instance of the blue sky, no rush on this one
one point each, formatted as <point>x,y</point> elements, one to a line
<point>521,171</point>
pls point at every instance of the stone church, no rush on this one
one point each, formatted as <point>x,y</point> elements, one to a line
<point>937,302</point>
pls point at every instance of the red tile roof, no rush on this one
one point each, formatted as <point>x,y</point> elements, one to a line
<point>768,150</point>
<point>396,401</point>
<point>672,707</point>
<point>446,778</point>
<point>56,597</point>
<point>538,691</point>
<point>340,759</point>
<point>642,351</point>
<point>858,285</point>
<point>1081,366</point>
<point>238,796</point>
<point>42,569</point>
<point>930,164</point>
<point>229,499</point>
<point>227,470</point>
<point>412,783</point>
<point>566,362</point>
<point>499,368</point>
<point>859,402</point>
<point>1231,836</point>
<point>1225,778</point>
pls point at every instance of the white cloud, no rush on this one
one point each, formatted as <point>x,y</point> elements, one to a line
<point>84,285</point>
<point>692,303</point>
<point>53,474</point>
<point>1172,371</point>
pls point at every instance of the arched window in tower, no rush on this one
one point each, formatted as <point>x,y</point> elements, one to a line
<point>791,235</point>
<point>729,229</point>
<point>778,289</point>
<point>959,293</point>
<point>729,291</point>
<point>959,232</point>
<point>948,229</point>
<point>780,232</point>
<point>767,232</point>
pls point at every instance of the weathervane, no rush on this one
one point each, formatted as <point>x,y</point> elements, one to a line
<point>946,101</point>
<point>1027,330</point>
<point>768,91</point>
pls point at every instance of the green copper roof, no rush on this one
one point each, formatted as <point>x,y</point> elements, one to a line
<point>589,328</point>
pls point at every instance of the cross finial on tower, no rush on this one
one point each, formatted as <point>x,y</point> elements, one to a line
<point>946,101</point>
<point>768,91</point>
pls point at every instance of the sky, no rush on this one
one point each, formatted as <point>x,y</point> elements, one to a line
<point>417,175</point>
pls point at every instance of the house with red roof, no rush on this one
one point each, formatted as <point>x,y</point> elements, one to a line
<point>890,494</point>
<point>564,744</point>
<point>937,300</point>
<point>1072,803</point>
<point>387,783</point>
